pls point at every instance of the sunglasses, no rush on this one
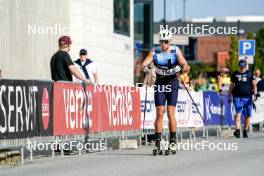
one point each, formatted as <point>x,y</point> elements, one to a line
<point>164,41</point>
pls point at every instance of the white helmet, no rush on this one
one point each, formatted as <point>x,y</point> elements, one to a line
<point>165,34</point>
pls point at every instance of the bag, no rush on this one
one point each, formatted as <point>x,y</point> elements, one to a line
<point>150,77</point>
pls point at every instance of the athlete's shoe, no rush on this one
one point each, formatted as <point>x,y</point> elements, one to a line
<point>237,133</point>
<point>157,150</point>
<point>172,147</point>
<point>245,135</point>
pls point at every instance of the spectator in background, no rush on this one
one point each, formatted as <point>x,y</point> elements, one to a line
<point>184,77</point>
<point>260,84</point>
<point>212,85</point>
<point>191,87</point>
<point>257,75</point>
<point>243,87</point>
<point>200,83</point>
<point>224,81</point>
<point>61,65</point>
<point>87,67</point>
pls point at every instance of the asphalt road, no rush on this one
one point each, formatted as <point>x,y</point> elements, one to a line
<point>247,160</point>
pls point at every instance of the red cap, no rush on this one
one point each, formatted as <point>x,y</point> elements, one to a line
<point>65,40</point>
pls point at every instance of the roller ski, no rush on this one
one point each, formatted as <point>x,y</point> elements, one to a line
<point>157,150</point>
<point>171,148</point>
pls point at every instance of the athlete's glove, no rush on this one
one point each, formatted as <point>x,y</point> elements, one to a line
<point>146,69</point>
<point>178,68</point>
<point>88,81</point>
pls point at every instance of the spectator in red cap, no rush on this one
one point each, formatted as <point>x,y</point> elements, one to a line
<point>61,65</point>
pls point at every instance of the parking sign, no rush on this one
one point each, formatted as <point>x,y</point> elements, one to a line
<point>246,47</point>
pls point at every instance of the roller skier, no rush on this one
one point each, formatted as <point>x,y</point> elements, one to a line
<point>168,61</point>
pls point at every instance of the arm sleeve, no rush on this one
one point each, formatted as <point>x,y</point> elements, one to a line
<point>67,59</point>
<point>252,77</point>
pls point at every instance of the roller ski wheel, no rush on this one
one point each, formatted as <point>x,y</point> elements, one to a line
<point>171,149</point>
<point>157,152</point>
<point>168,152</point>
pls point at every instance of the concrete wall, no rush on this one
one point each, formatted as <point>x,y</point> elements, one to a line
<point>24,55</point>
<point>92,28</point>
<point>89,23</point>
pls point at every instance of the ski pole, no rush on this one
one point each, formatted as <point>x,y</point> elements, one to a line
<point>192,99</point>
<point>85,105</point>
<point>145,104</point>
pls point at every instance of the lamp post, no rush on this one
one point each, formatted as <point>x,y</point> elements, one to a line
<point>184,7</point>
<point>164,13</point>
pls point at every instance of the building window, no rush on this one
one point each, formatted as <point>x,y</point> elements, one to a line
<point>122,17</point>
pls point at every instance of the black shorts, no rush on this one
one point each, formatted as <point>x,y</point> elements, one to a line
<point>166,91</point>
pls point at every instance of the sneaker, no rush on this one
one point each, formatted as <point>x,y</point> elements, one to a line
<point>245,135</point>
<point>237,133</point>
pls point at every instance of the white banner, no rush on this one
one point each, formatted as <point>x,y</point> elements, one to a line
<point>150,111</point>
<point>258,115</point>
<point>186,113</point>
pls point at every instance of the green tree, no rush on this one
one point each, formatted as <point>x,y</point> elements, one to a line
<point>231,64</point>
<point>197,68</point>
<point>259,54</point>
<point>250,36</point>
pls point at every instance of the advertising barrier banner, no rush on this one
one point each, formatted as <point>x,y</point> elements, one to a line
<point>149,111</point>
<point>186,112</point>
<point>80,109</point>
<point>217,110</point>
<point>258,114</point>
<point>25,108</point>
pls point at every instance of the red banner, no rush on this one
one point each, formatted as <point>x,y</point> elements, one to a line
<point>104,108</point>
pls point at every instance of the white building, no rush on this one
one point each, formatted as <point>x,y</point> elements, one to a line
<point>29,31</point>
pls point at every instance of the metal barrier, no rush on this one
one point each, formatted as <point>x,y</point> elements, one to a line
<point>190,133</point>
<point>121,135</point>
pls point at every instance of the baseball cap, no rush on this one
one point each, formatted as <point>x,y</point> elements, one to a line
<point>65,40</point>
<point>83,52</point>
<point>242,63</point>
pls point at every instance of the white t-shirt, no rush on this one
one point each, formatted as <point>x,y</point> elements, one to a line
<point>91,69</point>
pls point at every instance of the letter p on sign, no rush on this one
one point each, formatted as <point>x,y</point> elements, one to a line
<point>246,47</point>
